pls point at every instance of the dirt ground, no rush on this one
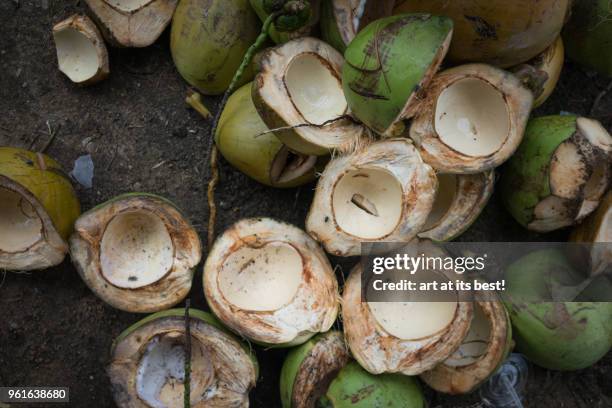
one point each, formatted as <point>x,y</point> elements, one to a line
<point>53,330</point>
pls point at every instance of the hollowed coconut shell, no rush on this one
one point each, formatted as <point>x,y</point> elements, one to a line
<point>38,206</point>
<point>496,32</point>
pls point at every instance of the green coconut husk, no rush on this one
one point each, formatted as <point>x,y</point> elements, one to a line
<point>208,47</point>
<point>588,35</point>
<point>559,172</point>
<point>388,62</point>
<point>246,142</point>
<point>554,335</point>
<point>299,26</point>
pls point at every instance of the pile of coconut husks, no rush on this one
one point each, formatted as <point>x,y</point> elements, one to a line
<point>403,112</point>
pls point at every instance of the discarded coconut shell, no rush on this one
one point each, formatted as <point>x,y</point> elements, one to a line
<point>147,365</point>
<point>303,28</point>
<point>587,35</point>
<point>341,20</point>
<point>550,64</point>
<point>242,140</point>
<point>496,32</point>
<point>271,283</point>
<point>209,39</point>
<point>559,173</point>
<point>388,63</point>
<point>132,23</point>
<point>81,52</point>
<point>298,91</point>
<point>137,252</point>
<point>383,192</point>
<point>472,119</point>
<point>38,206</point>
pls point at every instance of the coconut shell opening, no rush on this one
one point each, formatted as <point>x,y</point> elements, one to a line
<point>20,225</point>
<point>136,250</point>
<point>447,190</point>
<point>288,166</point>
<point>262,278</point>
<point>128,6</point>
<point>475,344</point>
<point>472,118</point>
<point>367,203</point>
<point>314,88</point>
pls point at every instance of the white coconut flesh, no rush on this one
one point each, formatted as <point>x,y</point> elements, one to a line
<point>128,6</point>
<point>288,166</point>
<point>160,376</point>
<point>20,225</point>
<point>314,89</point>
<point>367,203</point>
<point>472,117</point>
<point>76,54</point>
<point>261,279</point>
<point>136,249</point>
<point>447,190</point>
<point>475,344</point>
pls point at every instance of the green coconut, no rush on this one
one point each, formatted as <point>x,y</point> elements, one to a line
<point>388,62</point>
<point>38,206</point>
<point>148,363</point>
<point>242,141</point>
<point>587,35</point>
<point>295,25</point>
<point>209,39</point>
<point>559,173</point>
<point>554,335</point>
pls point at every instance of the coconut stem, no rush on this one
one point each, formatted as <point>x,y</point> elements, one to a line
<point>194,99</point>
<point>212,147</point>
<point>187,383</point>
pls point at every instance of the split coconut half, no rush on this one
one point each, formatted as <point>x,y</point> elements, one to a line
<point>460,198</point>
<point>271,283</point>
<point>320,374</point>
<point>400,336</point>
<point>341,20</point>
<point>481,353</point>
<point>496,32</point>
<point>472,119</point>
<point>387,65</point>
<point>559,174</point>
<point>38,206</point>
<point>137,252</point>
<point>132,23</point>
<point>246,142</point>
<point>81,52</point>
<point>147,367</point>
<point>298,94</point>
<point>383,192</point>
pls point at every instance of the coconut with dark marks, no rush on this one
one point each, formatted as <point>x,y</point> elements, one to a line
<point>38,206</point>
<point>460,198</point>
<point>587,35</point>
<point>271,283</point>
<point>209,39</point>
<point>472,119</point>
<point>246,142</point>
<point>137,252</point>
<point>81,52</point>
<point>383,192</point>
<point>298,93</point>
<point>559,174</point>
<point>132,23</point>
<point>496,32</point>
<point>389,63</point>
<point>301,21</point>
<point>148,363</point>
<point>341,20</point>
<point>563,335</point>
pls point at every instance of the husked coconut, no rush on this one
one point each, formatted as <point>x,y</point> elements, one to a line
<point>148,361</point>
<point>559,174</point>
<point>383,192</point>
<point>298,93</point>
<point>38,206</point>
<point>81,52</point>
<point>136,252</point>
<point>472,119</point>
<point>132,23</point>
<point>271,283</point>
